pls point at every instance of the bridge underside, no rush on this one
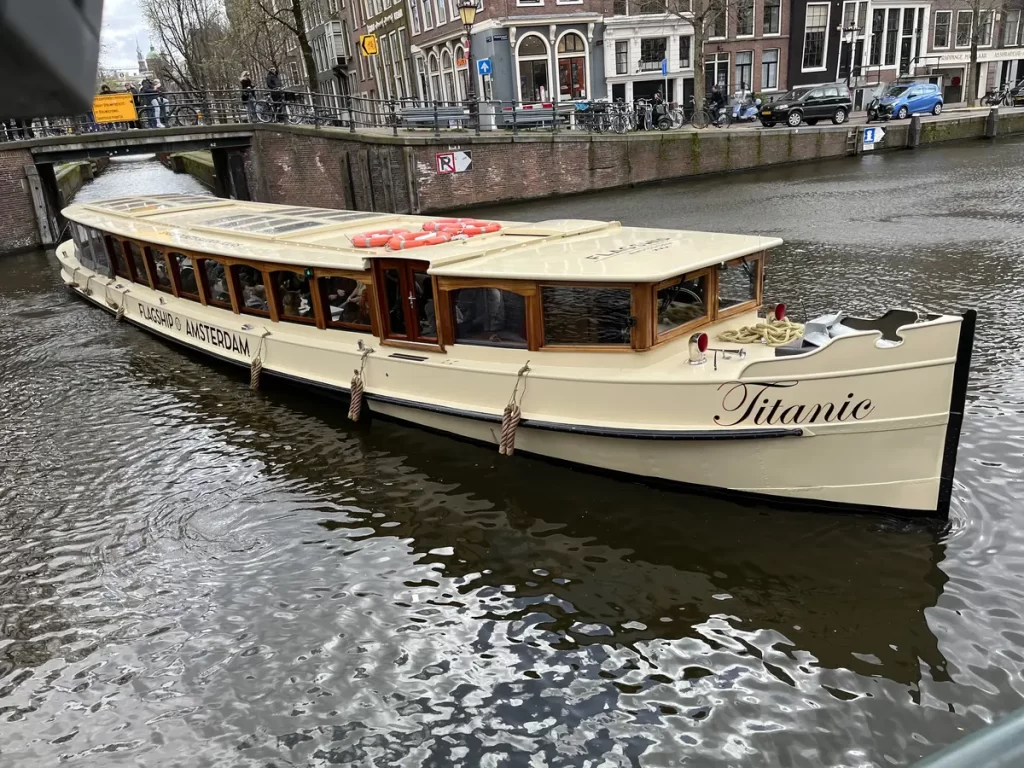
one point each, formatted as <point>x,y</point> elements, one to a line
<point>87,147</point>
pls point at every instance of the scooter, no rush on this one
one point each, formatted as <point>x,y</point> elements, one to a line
<point>879,111</point>
<point>746,112</point>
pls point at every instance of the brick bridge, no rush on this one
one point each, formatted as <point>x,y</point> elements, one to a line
<point>409,172</point>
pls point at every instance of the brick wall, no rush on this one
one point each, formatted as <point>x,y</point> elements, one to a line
<point>18,229</point>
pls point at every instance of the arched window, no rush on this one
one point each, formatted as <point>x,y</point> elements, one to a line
<point>462,72</point>
<point>435,79</point>
<point>448,71</point>
<point>572,66</point>
<point>533,62</point>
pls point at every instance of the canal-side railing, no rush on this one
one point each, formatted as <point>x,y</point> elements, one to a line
<point>193,108</point>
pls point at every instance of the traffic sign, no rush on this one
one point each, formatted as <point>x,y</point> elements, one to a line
<point>368,45</point>
<point>483,66</point>
<point>664,67</point>
<point>872,136</point>
<point>454,162</point>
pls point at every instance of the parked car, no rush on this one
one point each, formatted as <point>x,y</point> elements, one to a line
<point>902,100</point>
<point>809,105</point>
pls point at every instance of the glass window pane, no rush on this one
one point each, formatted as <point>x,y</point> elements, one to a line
<point>489,316</point>
<point>395,302</point>
<point>120,263</point>
<point>346,302</point>
<point>682,302</point>
<point>293,296</point>
<point>163,280</point>
<point>425,310</point>
<point>532,45</point>
<point>216,283</point>
<point>187,286</point>
<point>252,291</point>
<point>584,316</point>
<point>139,262</point>
<point>737,283</point>
<point>101,262</point>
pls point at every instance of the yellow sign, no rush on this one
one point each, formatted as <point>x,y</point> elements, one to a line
<point>114,108</point>
<point>368,45</point>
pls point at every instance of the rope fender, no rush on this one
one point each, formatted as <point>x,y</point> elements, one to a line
<point>513,413</point>
<point>355,406</point>
<point>774,333</point>
<point>256,366</point>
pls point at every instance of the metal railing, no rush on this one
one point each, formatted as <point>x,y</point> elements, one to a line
<point>210,108</point>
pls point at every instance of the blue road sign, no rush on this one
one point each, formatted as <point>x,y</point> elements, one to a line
<point>483,66</point>
<point>869,135</point>
<point>664,67</point>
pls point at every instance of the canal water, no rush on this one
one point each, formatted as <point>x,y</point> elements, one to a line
<point>195,575</point>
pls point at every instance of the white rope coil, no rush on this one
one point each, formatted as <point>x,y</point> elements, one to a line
<point>774,333</point>
<point>512,415</point>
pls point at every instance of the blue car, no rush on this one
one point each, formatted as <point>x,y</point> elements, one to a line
<point>901,100</point>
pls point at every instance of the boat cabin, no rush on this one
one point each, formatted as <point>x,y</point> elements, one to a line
<point>551,285</point>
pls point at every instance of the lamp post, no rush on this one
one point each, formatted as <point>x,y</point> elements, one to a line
<point>467,12</point>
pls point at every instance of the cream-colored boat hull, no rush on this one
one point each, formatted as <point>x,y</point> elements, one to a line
<point>853,425</point>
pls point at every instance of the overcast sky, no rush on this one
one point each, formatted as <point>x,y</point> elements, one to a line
<point>123,24</point>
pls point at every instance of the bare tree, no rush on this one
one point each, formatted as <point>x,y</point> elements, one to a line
<point>981,32</point>
<point>708,17</point>
<point>258,41</point>
<point>292,16</point>
<point>193,36</point>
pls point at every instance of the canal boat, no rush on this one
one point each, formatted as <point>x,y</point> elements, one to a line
<point>585,342</point>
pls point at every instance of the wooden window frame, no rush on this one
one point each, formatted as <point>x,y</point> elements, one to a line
<point>203,281</point>
<point>366,278</point>
<point>126,244</point>
<point>236,288</point>
<point>527,289</point>
<point>442,318</point>
<point>150,259</point>
<point>739,309</point>
<point>176,277</point>
<point>274,299</point>
<point>639,308</point>
<point>709,306</point>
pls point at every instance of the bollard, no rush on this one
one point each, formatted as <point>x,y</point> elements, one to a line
<point>914,132</point>
<point>992,123</point>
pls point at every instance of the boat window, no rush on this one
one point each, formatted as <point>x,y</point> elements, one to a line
<point>737,283</point>
<point>217,290</point>
<point>101,263</point>
<point>489,316</point>
<point>252,291</point>
<point>116,253</point>
<point>83,247</point>
<point>291,292</point>
<point>138,263</point>
<point>682,302</point>
<point>187,286</point>
<point>158,267</point>
<point>395,304</point>
<point>586,316</point>
<point>346,303</point>
<point>424,309</point>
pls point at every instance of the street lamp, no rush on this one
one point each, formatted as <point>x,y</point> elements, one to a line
<point>467,12</point>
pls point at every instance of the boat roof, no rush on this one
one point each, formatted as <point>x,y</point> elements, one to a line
<point>558,250</point>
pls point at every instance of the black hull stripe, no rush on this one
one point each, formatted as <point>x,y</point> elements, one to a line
<point>549,426</point>
<point>787,503</point>
<point>957,403</point>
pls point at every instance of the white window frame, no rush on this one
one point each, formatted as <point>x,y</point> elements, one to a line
<point>441,9</point>
<point>679,48</point>
<point>428,14</point>
<point>547,57</point>
<point>414,14</point>
<point>568,2</point>
<point>1012,43</point>
<point>753,24</point>
<point>725,12</point>
<point>950,32</point>
<point>736,82</point>
<point>770,34</point>
<point>991,30</point>
<point>576,55</point>
<point>957,27</point>
<point>824,47</point>
<point>529,4</point>
<point>778,61</point>
<point>615,56</point>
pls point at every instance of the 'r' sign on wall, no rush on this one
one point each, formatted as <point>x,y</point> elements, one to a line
<point>454,162</point>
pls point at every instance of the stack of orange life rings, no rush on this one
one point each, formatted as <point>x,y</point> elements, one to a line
<point>434,233</point>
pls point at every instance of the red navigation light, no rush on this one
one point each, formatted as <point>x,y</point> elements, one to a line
<point>780,311</point>
<point>702,342</point>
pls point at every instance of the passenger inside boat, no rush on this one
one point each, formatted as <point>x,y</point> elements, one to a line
<point>254,294</point>
<point>186,274</point>
<point>163,280</point>
<point>217,281</point>
<point>347,300</point>
<point>293,288</point>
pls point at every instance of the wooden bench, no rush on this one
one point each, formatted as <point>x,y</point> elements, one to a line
<point>530,117</point>
<point>429,117</point>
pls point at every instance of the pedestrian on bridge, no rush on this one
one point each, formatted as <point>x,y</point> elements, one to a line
<point>248,93</point>
<point>276,95</point>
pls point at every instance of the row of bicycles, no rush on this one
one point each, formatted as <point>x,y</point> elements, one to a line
<point>620,116</point>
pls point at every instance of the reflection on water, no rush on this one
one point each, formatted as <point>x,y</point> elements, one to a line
<point>192,574</point>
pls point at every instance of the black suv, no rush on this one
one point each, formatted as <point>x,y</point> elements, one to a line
<point>809,105</point>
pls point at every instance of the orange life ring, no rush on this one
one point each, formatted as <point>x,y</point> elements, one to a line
<point>427,238</point>
<point>469,227</point>
<point>376,239</point>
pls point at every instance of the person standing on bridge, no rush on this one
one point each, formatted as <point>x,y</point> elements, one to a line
<point>248,93</point>
<point>274,86</point>
<point>129,88</point>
